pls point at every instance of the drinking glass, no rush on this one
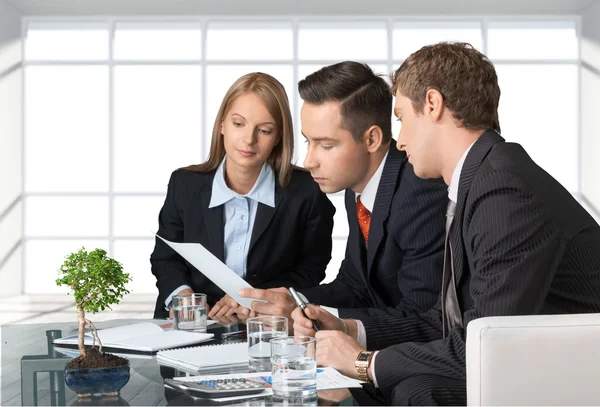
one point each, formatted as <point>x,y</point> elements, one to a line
<point>190,312</point>
<point>294,371</point>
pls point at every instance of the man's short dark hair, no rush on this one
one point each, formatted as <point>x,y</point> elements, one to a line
<point>365,98</point>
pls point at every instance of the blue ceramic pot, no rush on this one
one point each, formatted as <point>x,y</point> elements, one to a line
<point>86,382</point>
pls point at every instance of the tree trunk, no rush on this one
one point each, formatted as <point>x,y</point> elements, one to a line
<point>81,320</point>
<point>95,333</point>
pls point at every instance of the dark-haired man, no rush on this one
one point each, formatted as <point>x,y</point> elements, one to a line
<point>394,251</point>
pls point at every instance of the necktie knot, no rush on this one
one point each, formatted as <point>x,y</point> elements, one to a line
<point>364,218</point>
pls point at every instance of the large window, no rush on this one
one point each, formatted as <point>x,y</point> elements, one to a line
<point>112,107</point>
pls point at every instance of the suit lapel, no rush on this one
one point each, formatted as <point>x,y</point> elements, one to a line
<point>475,157</point>
<point>213,221</point>
<point>354,235</point>
<point>264,215</point>
<point>383,201</point>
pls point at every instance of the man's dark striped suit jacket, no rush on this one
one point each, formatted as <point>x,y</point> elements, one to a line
<point>522,246</point>
<point>402,266</point>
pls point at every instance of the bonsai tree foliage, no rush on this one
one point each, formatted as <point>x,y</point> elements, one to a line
<point>97,282</point>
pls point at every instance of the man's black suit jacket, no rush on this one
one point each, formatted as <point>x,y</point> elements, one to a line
<point>402,266</point>
<point>290,243</point>
<point>522,246</point>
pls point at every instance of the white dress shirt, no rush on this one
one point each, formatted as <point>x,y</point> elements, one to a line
<point>455,180</point>
<point>369,193</point>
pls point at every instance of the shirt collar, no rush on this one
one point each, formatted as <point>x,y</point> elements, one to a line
<point>370,192</point>
<point>263,190</point>
<point>455,180</point>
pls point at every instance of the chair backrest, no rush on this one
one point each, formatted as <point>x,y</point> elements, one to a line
<point>534,360</point>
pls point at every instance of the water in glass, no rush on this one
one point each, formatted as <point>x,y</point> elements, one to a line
<point>190,317</point>
<point>259,349</point>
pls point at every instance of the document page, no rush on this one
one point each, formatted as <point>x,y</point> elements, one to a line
<point>112,335</point>
<point>327,378</point>
<point>213,268</point>
<point>143,336</point>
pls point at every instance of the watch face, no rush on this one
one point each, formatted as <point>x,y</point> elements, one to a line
<point>364,356</point>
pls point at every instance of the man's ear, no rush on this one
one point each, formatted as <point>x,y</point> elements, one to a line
<point>374,138</point>
<point>434,105</point>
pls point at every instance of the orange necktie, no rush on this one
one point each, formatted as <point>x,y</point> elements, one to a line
<point>364,219</point>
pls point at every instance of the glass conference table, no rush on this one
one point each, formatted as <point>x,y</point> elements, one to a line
<point>32,372</point>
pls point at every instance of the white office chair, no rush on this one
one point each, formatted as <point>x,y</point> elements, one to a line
<point>534,360</point>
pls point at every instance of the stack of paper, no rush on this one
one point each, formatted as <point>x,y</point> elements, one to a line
<point>199,357</point>
<point>327,379</point>
<point>143,337</point>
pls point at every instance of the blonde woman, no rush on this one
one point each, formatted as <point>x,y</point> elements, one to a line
<point>247,204</point>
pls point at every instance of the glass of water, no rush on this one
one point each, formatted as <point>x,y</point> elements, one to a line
<point>260,332</point>
<point>189,312</point>
<point>294,372</point>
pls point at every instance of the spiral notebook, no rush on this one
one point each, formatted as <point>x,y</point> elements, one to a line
<point>200,357</point>
<point>141,337</point>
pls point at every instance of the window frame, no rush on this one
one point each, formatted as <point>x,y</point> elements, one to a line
<point>203,22</point>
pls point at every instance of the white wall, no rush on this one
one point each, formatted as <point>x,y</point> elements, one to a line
<point>590,106</point>
<point>11,138</point>
<point>304,7</point>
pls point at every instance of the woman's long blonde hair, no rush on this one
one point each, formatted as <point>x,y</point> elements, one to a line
<point>272,93</point>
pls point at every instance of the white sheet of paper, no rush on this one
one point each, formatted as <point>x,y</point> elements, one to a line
<point>213,268</point>
<point>327,379</point>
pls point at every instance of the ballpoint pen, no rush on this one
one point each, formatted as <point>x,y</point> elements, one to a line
<point>302,305</point>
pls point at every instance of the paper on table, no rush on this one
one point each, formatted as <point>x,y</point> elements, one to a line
<point>141,336</point>
<point>213,268</point>
<point>74,352</point>
<point>327,378</point>
<point>169,324</point>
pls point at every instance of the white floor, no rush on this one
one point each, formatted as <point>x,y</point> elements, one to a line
<point>32,309</point>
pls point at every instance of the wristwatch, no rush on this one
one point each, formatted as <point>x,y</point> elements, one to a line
<point>362,363</point>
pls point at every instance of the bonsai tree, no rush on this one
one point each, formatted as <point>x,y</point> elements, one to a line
<point>97,282</point>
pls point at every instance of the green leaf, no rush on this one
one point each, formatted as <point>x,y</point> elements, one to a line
<point>97,281</point>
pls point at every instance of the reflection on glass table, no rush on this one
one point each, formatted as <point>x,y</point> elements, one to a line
<point>33,370</point>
